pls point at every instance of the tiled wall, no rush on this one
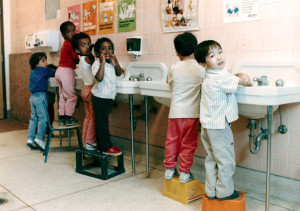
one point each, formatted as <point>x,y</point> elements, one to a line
<point>275,36</point>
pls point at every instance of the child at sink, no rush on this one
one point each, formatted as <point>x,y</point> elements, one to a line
<point>81,44</point>
<point>105,69</point>
<point>38,87</point>
<point>65,77</point>
<point>185,78</point>
<point>218,108</point>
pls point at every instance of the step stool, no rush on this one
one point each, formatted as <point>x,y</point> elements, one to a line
<point>105,171</point>
<point>185,193</point>
<point>238,204</point>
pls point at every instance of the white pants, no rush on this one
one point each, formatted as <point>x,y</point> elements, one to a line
<point>220,161</point>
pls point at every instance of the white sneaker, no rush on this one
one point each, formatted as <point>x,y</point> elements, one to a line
<point>170,173</point>
<point>39,143</point>
<point>185,177</point>
<point>31,144</point>
<point>89,146</point>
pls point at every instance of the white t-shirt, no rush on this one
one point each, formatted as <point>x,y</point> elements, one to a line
<point>107,87</point>
<point>85,72</point>
<point>185,78</point>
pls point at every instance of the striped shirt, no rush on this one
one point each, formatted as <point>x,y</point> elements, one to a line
<point>218,102</point>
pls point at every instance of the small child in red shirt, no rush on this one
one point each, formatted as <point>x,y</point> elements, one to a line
<point>65,77</point>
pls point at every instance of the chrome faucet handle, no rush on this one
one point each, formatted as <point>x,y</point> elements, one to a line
<point>263,81</point>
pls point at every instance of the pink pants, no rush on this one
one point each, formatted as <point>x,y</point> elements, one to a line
<point>65,78</point>
<point>182,137</point>
<point>88,131</point>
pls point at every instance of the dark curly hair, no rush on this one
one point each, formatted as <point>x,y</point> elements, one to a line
<point>202,49</point>
<point>35,59</point>
<point>63,27</point>
<point>98,45</point>
<point>76,38</point>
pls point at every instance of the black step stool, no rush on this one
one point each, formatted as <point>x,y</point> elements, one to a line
<point>98,160</point>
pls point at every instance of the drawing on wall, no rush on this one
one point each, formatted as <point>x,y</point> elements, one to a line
<point>179,15</point>
<point>106,16</point>
<point>89,17</point>
<point>126,15</point>
<point>240,10</point>
<point>75,17</point>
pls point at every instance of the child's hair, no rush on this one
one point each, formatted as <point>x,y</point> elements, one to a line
<point>185,43</point>
<point>202,49</point>
<point>35,59</point>
<point>98,45</point>
<point>63,27</point>
<point>52,66</point>
<point>76,38</point>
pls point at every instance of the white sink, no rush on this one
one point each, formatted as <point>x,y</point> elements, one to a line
<point>253,101</point>
<point>159,90</point>
<point>155,71</point>
<point>78,83</point>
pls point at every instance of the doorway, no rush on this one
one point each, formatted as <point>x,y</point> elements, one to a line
<point>2,69</point>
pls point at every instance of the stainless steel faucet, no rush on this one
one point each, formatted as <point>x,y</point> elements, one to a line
<point>263,81</point>
<point>139,77</point>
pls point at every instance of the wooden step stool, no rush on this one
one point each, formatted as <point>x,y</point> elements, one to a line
<point>185,193</point>
<point>105,171</point>
<point>238,204</point>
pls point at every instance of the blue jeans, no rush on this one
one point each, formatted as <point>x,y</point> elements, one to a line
<point>38,121</point>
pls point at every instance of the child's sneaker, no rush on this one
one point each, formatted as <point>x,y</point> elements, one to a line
<point>71,121</point>
<point>39,143</point>
<point>61,121</point>
<point>112,151</point>
<point>185,177</point>
<point>117,148</point>
<point>31,144</point>
<point>89,146</point>
<point>170,173</point>
<point>232,196</point>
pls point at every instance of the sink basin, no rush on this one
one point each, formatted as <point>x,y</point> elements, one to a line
<point>159,90</point>
<point>157,72</point>
<point>78,83</point>
<point>253,101</point>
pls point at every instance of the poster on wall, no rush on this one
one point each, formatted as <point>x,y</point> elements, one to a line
<point>240,10</point>
<point>179,15</point>
<point>74,16</point>
<point>106,16</point>
<point>89,18</point>
<point>126,15</point>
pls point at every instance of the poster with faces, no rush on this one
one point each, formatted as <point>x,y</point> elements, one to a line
<point>179,15</point>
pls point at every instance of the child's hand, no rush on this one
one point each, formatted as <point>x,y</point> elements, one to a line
<point>245,80</point>
<point>113,58</point>
<point>102,58</point>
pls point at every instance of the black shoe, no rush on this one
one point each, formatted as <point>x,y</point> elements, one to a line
<point>232,196</point>
<point>71,121</point>
<point>61,120</point>
<point>210,197</point>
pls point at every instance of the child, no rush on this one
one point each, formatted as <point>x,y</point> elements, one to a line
<point>105,69</point>
<point>51,101</point>
<point>65,77</point>
<point>38,86</point>
<point>81,44</point>
<point>185,78</point>
<point>218,108</point>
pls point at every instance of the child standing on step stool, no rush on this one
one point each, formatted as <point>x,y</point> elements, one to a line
<point>218,108</point>
<point>38,86</point>
<point>185,78</point>
<point>106,68</point>
<point>65,77</point>
<point>81,44</point>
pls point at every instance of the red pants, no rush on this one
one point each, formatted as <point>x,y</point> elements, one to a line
<point>88,130</point>
<point>182,137</point>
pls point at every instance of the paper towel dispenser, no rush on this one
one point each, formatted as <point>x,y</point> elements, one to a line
<point>46,41</point>
<point>134,45</point>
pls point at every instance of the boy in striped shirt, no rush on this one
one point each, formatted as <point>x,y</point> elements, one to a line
<point>218,108</point>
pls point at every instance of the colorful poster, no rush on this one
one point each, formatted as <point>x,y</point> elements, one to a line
<point>126,15</point>
<point>179,15</point>
<point>89,18</point>
<point>106,16</point>
<point>240,10</point>
<point>74,16</point>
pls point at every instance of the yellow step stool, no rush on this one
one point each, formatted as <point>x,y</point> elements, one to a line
<point>238,204</point>
<point>185,193</point>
